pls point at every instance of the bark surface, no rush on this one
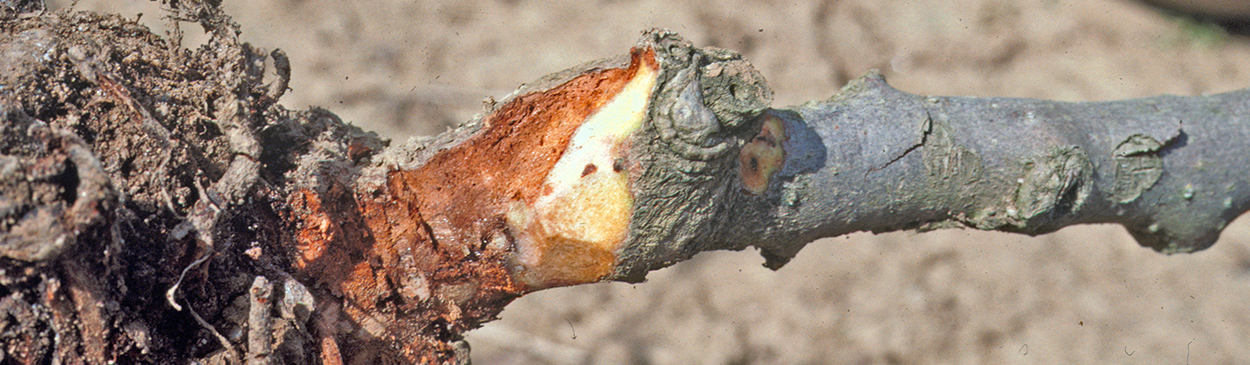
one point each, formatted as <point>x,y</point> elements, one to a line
<point>159,205</point>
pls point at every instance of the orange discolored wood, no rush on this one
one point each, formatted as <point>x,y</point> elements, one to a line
<point>466,192</point>
<point>331,235</point>
<point>432,251</point>
<point>763,156</point>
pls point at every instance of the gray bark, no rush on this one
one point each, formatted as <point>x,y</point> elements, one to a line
<point>140,186</point>
<point>1171,169</point>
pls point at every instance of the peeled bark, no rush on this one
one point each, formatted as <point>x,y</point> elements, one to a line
<point>155,190</point>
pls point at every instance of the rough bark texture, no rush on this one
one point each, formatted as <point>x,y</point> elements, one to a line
<point>1167,168</point>
<point>159,205</point>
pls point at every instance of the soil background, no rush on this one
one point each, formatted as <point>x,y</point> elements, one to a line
<point>1083,295</point>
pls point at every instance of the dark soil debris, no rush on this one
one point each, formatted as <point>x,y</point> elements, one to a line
<point>127,167</point>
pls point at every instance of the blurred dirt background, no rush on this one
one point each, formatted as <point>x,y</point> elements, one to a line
<point>1083,295</point>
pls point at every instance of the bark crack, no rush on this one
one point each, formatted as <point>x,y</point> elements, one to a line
<point>924,138</point>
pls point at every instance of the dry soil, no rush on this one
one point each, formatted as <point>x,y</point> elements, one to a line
<point>1083,295</point>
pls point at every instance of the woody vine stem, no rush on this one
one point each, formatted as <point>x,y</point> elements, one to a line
<point>602,172</point>
<point>623,166</point>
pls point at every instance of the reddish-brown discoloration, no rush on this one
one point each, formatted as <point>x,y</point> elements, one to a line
<point>331,234</point>
<point>428,251</point>
<point>763,156</point>
<point>466,189</point>
<point>523,140</point>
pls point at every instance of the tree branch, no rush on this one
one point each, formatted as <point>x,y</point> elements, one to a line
<point>1167,168</point>
<point>601,172</point>
<point>698,162</point>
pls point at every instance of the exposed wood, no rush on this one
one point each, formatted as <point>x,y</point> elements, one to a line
<point>152,192</point>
